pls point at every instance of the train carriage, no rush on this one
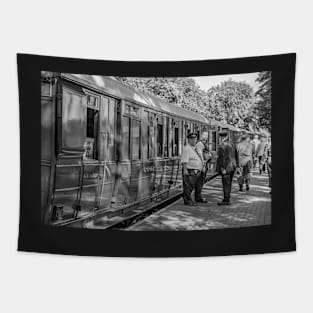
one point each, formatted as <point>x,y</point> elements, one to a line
<point>106,147</point>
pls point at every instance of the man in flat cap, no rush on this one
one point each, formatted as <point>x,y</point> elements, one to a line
<point>226,163</point>
<point>192,166</point>
<point>246,152</point>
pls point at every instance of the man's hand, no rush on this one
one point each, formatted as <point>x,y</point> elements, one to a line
<point>223,171</point>
<point>185,170</point>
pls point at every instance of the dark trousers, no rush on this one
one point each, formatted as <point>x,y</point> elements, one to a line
<point>245,176</point>
<point>200,186</point>
<point>190,183</point>
<point>255,161</point>
<point>261,164</point>
<point>269,169</point>
<point>227,182</point>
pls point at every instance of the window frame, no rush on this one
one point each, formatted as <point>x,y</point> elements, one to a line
<point>214,140</point>
<point>62,146</point>
<point>128,109</point>
<point>176,143</point>
<point>129,136</point>
<point>96,154</point>
<point>152,134</point>
<point>132,120</point>
<point>145,124</point>
<point>175,125</point>
<point>159,121</point>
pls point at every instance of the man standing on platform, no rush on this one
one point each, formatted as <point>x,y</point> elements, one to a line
<point>245,151</point>
<point>192,165</point>
<point>202,143</point>
<point>255,143</point>
<point>201,146</point>
<point>261,154</point>
<point>269,163</point>
<point>226,163</point>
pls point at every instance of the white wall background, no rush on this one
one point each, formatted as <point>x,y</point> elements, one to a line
<point>155,30</point>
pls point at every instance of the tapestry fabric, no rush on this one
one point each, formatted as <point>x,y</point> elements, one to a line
<point>156,159</point>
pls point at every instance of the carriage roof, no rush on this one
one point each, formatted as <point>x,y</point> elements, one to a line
<point>117,89</point>
<point>120,90</point>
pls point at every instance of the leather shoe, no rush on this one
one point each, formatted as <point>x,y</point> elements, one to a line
<point>190,203</point>
<point>223,203</point>
<point>202,201</point>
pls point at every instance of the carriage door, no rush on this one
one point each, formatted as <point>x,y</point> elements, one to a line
<point>71,121</point>
<point>107,145</point>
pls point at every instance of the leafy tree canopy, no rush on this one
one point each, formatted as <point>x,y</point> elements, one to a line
<point>231,102</point>
<point>264,100</point>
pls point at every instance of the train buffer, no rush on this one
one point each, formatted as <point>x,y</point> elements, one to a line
<point>248,208</point>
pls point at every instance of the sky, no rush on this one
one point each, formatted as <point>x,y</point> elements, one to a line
<point>206,82</point>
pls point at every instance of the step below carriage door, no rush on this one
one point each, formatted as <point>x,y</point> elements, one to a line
<point>71,138</point>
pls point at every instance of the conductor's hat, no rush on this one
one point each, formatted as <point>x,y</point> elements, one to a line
<point>192,135</point>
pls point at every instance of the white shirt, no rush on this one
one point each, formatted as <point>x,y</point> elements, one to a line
<point>199,148</point>
<point>191,158</point>
<point>256,143</point>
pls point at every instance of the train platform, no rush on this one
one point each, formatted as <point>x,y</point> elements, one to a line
<point>248,208</point>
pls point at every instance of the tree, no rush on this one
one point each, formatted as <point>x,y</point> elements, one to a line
<point>264,100</point>
<point>233,103</point>
<point>182,91</point>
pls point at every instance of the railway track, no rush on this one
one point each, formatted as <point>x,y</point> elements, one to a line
<point>131,220</point>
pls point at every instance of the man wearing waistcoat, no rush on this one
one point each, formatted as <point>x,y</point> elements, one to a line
<point>192,166</point>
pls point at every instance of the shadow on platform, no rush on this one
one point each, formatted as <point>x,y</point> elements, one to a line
<point>249,208</point>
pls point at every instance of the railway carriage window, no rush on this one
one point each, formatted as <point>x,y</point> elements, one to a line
<point>166,141</point>
<point>176,142</point>
<point>111,115</point>
<point>125,137</point>
<point>148,143</point>
<point>127,109</point>
<point>135,140</point>
<point>71,119</point>
<point>214,141</point>
<point>151,133</point>
<point>134,111</point>
<point>91,116</point>
<point>91,144</point>
<point>145,135</point>
<point>130,109</point>
<point>183,133</point>
<point>159,140</point>
<point>92,102</point>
